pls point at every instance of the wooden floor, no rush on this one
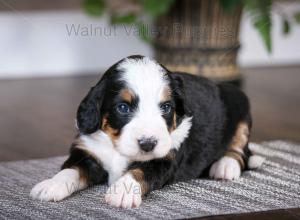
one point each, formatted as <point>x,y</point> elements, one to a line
<point>37,115</point>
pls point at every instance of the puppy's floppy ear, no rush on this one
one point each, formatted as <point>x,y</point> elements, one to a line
<point>89,111</point>
<point>179,96</point>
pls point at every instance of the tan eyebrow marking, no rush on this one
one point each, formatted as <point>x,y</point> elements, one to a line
<point>127,95</point>
<point>166,94</point>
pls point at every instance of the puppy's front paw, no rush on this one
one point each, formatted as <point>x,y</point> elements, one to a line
<point>125,193</point>
<point>57,188</point>
<point>50,190</point>
<point>226,168</point>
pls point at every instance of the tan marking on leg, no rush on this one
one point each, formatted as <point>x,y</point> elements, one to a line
<point>82,175</point>
<point>138,175</point>
<point>78,144</point>
<point>238,143</point>
<point>237,156</point>
<point>240,138</point>
<point>127,95</point>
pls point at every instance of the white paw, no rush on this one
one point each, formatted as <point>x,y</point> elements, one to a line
<point>125,193</point>
<point>226,168</point>
<point>57,188</point>
<point>50,190</point>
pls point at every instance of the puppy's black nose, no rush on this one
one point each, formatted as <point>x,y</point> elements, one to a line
<point>147,144</point>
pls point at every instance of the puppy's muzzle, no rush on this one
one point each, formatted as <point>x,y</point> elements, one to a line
<point>147,144</point>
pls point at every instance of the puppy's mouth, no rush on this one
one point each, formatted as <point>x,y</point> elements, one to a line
<point>137,152</point>
<point>141,156</point>
<point>146,156</point>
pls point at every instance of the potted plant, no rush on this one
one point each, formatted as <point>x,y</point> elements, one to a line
<point>196,36</point>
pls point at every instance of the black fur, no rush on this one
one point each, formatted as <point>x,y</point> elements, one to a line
<point>89,114</point>
<point>92,169</point>
<point>101,101</point>
<point>216,111</point>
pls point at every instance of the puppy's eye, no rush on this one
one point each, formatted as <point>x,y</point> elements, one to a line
<point>165,108</point>
<point>123,108</point>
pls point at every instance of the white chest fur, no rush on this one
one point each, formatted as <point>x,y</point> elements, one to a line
<point>100,146</point>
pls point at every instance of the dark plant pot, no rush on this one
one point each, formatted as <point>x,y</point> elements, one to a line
<point>199,37</point>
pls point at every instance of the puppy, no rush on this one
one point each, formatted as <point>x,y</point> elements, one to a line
<point>142,127</point>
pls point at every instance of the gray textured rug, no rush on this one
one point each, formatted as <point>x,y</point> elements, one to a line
<point>275,185</point>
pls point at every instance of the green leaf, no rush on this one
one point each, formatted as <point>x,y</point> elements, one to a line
<point>144,32</point>
<point>229,5</point>
<point>126,19</point>
<point>286,27</point>
<point>260,12</point>
<point>264,31</point>
<point>297,17</point>
<point>156,7</point>
<point>94,7</point>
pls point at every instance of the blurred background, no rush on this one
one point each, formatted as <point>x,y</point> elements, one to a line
<point>52,52</point>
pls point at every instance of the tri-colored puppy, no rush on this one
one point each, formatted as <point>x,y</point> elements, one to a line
<point>142,127</point>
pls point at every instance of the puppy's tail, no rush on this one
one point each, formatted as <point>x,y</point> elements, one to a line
<point>255,161</point>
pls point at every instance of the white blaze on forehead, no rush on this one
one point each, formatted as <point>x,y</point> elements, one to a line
<point>146,78</point>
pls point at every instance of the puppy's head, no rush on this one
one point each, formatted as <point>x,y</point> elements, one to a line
<point>138,103</point>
